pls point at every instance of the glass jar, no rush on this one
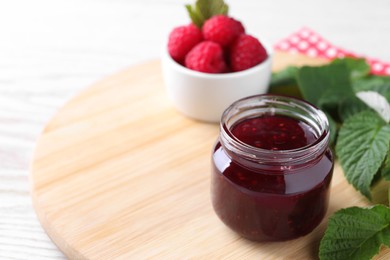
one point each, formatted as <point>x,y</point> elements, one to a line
<point>272,168</point>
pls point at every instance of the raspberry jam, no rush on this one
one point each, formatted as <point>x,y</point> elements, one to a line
<point>273,132</point>
<point>272,168</point>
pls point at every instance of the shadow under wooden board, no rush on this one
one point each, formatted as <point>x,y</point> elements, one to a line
<point>119,173</point>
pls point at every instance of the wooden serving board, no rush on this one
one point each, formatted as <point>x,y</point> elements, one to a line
<point>118,173</point>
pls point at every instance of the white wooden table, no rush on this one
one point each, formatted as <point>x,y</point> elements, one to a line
<point>50,50</point>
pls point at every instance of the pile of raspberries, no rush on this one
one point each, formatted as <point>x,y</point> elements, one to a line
<point>220,46</point>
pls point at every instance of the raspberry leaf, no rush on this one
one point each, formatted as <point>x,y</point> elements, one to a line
<point>356,233</point>
<point>380,84</point>
<point>385,170</point>
<point>362,145</point>
<point>205,9</point>
<point>351,106</point>
<point>286,76</point>
<point>324,86</point>
<point>377,102</point>
<point>358,67</point>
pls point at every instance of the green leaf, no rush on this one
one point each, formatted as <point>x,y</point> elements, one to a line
<point>284,82</point>
<point>198,21</point>
<point>380,84</point>
<point>376,102</point>
<point>385,170</point>
<point>356,233</point>
<point>217,7</point>
<point>225,9</point>
<point>362,144</point>
<point>358,67</point>
<point>286,76</point>
<point>205,9</point>
<point>286,90</point>
<point>325,86</point>
<point>351,106</point>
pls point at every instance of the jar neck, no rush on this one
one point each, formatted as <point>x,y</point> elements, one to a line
<point>256,106</point>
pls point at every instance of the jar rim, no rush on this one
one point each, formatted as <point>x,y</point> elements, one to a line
<point>266,156</point>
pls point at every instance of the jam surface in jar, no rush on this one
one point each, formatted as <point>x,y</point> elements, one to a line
<point>275,132</point>
<point>271,202</point>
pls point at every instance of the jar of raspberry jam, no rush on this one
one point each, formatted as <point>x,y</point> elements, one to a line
<point>272,168</point>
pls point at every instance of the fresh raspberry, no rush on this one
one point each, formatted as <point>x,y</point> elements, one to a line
<point>206,57</point>
<point>182,39</point>
<point>245,52</point>
<point>239,26</point>
<point>222,29</point>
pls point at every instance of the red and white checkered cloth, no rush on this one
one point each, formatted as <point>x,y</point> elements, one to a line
<point>310,43</point>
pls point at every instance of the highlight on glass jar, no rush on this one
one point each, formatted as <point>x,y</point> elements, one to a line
<point>272,168</point>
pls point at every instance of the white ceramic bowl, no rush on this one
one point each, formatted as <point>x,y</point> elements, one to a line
<point>205,96</point>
